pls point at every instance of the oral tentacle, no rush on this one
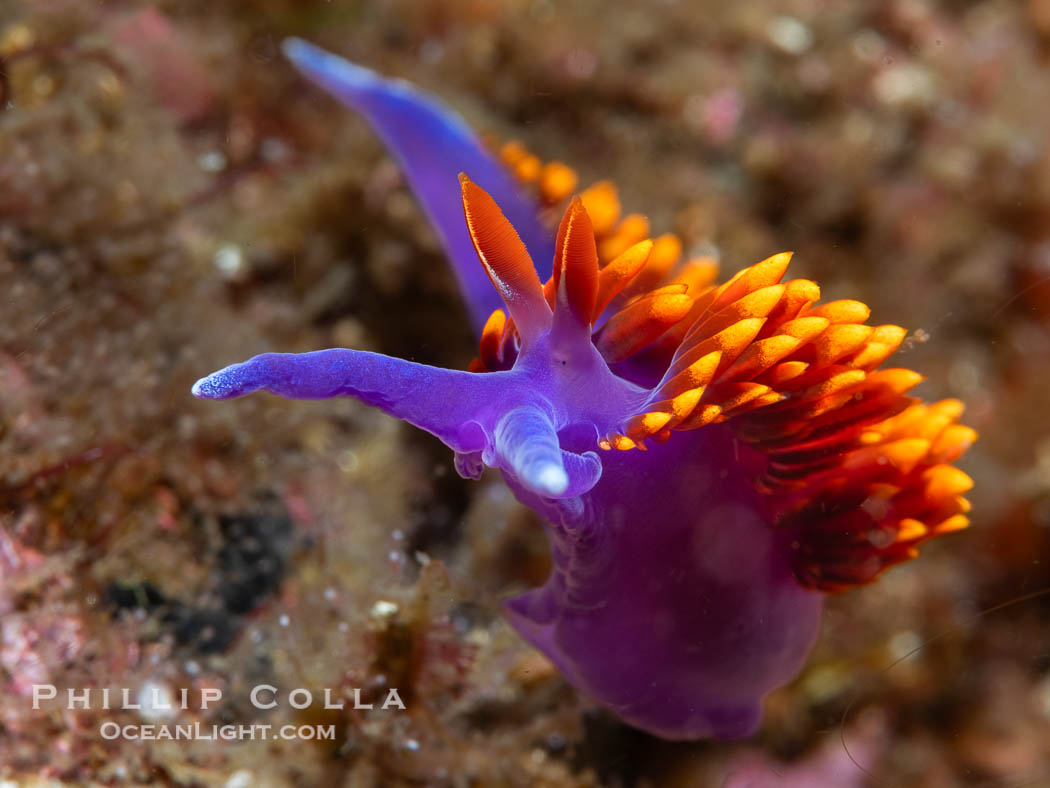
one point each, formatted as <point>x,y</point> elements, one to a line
<point>446,403</point>
<point>433,144</point>
<point>525,443</point>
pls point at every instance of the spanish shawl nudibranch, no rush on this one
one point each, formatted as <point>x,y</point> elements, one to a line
<point>707,458</point>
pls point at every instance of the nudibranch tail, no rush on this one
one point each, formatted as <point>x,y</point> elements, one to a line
<point>433,144</point>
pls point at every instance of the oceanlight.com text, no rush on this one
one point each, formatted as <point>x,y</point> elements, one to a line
<point>198,732</point>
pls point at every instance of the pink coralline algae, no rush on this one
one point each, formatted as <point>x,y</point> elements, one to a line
<point>708,459</point>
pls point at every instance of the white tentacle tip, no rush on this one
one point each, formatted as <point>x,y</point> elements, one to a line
<point>550,479</point>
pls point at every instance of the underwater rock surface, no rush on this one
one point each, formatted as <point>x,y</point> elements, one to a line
<point>144,237</point>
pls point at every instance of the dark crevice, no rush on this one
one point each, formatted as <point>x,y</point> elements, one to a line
<point>249,566</point>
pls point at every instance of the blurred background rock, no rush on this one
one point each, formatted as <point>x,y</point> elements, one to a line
<point>173,198</point>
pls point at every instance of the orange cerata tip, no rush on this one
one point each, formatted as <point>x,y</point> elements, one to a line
<point>602,203</point>
<point>557,181</point>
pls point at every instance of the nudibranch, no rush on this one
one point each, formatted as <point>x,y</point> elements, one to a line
<point>708,459</point>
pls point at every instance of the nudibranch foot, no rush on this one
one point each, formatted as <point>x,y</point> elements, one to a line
<point>678,623</point>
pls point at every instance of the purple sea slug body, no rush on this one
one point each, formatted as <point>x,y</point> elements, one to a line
<point>708,459</point>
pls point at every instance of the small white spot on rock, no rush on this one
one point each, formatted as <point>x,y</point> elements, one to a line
<point>904,643</point>
<point>383,609</point>
<point>229,260</point>
<point>240,779</point>
<point>212,161</point>
<point>789,35</point>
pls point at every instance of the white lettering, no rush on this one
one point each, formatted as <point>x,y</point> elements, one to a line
<point>73,697</point>
<point>393,699</point>
<point>299,692</point>
<point>255,696</point>
<point>328,704</point>
<point>357,700</point>
<point>125,700</point>
<point>159,702</point>
<point>209,694</point>
<point>43,692</point>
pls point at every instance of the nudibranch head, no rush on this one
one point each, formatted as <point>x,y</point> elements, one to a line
<point>706,458</point>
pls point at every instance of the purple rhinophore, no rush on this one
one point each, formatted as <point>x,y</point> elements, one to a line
<point>433,144</point>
